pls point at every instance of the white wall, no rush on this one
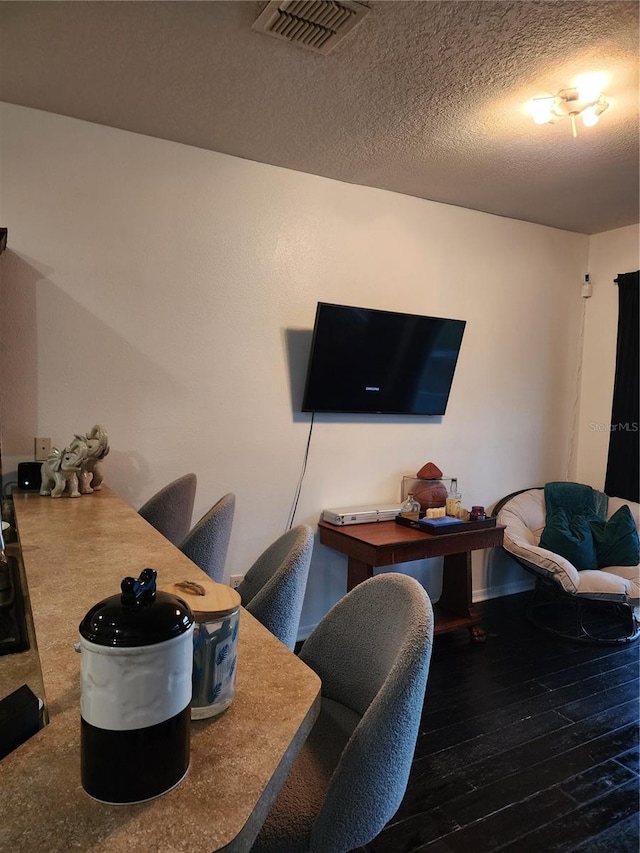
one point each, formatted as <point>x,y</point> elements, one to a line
<point>169,292</point>
<point>610,253</point>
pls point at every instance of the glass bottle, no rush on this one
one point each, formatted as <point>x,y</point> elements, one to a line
<point>410,508</point>
<point>454,499</point>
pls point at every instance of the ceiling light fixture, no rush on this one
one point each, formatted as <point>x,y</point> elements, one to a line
<point>587,103</point>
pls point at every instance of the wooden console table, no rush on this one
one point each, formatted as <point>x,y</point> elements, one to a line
<point>386,543</point>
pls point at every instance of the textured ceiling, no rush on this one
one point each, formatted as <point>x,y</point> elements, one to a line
<point>423,98</point>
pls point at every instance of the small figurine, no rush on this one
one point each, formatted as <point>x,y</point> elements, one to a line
<point>96,443</point>
<point>60,472</point>
<point>75,469</point>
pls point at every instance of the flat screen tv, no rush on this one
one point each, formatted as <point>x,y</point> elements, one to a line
<point>366,361</point>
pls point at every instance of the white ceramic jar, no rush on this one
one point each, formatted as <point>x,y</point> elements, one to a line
<point>135,674</point>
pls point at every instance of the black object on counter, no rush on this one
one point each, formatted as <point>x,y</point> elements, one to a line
<point>137,657</point>
<point>30,476</point>
<point>19,719</point>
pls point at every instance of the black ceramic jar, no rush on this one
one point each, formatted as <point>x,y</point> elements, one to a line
<point>136,665</point>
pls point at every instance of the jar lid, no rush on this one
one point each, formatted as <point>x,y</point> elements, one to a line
<point>140,616</point>
<point>206,598</point>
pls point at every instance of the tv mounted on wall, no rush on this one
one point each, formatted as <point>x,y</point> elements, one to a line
<point>366,361</point>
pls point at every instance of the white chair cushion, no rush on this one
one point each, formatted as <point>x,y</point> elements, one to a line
<point>524,516</point>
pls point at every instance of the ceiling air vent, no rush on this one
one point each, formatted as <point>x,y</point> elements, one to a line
<point>316,25</point>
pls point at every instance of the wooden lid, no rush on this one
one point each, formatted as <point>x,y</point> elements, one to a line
<point>206,598</point>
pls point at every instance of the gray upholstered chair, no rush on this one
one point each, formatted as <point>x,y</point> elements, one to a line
<point>273,588</point>
<point>207,544</point>
<point>372,652</point>
<point>170,509</point>
<point>589,605</point>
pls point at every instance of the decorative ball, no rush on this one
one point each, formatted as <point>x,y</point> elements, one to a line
<point>430,493</point>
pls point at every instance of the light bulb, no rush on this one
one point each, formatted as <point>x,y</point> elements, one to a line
<point>590,117</point>
<point>590,86</point>
<point>541,110</point>
<point>588,93</point>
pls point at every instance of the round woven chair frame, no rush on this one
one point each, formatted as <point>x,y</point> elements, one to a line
<point>549,603</point>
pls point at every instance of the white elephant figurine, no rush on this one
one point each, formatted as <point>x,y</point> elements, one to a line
<point>60,471</point>
<point>96,443</point>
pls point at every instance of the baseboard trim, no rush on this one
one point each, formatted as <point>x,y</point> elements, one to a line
<point>484,594</point>
<point>504,589</point>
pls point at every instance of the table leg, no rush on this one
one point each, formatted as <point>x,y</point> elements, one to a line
<point>456,598</point>
<point>478,634</point>
<point>357,571</point>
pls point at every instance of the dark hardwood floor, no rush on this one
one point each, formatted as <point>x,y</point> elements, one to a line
<point>527,743</point>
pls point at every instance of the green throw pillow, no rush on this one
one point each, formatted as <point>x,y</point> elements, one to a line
<point>571,537</point>
<point>616,540</point>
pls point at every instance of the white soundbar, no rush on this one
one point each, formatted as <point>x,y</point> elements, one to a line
<point>361,514</point>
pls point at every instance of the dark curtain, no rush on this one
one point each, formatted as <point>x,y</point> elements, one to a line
<point>623,463</point>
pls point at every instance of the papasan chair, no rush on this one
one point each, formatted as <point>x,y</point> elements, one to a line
<point>593,605</point>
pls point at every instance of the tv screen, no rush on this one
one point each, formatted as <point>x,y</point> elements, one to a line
<point>366,361</point>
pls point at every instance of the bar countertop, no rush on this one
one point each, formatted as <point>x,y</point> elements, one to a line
<point>75,553</point>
